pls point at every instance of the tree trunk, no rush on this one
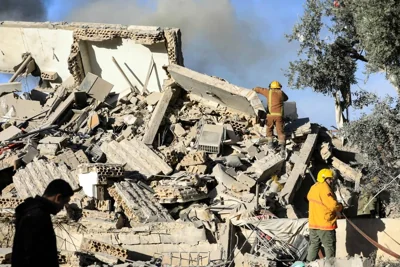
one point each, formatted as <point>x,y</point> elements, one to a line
<point>338,111</point>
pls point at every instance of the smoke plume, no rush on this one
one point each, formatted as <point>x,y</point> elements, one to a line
<point>215,40</point>
<point>25,10</point>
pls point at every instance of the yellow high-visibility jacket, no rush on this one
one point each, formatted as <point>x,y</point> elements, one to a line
<point>322,207</point>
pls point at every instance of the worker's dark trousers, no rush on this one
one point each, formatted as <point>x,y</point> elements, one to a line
<point>277,121</point>
<point>328,240</point>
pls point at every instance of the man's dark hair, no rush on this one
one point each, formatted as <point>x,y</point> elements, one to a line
<point>58,186</point>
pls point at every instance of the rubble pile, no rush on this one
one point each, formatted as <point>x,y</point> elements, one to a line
<point>164,177</point>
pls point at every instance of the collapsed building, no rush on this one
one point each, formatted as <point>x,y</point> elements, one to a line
<point>171,165</point>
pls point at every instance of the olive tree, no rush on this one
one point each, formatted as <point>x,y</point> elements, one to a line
<point>334,36</point>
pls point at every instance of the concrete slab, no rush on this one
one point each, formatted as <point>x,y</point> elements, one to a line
<point>10,87</point>
<point>34,178</point>
<point>346,171</point>
<point>217,90</point>
<point>53,140</point>
<point>298,127</point>
<point>59,110</point>
<point>294,181</point>
<point>31,153</point>
<point>95,87</point>
<point>153,98</point>
<point>266,167</point>
<point>131,153</point>
<point>23,108</point>
<point>9,133</point>
<point>157,116</point>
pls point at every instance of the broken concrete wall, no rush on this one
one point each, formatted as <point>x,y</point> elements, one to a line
<point>217,90</point>
<point>76,48</point>
<point>150,239</point>
<point>139,205</point>
<point>131,153</point>
<point>144,241</point>
<point>34,178</point>
<point>384,231</point>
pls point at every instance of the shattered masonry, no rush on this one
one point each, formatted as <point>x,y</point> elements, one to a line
<point>169,174</point>
<point>137,203</point>
<point>170,36</point>
<point>34,179</point>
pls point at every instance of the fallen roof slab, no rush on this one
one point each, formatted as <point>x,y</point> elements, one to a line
<point>8,133</point>
<point>10,87</point>
<point>217,90</point>
<point>293,183</point>
<point>158,116</point>
<point>137,156</point>
<point>23,108</point>
<point>139,205</point>
<point>34,178</point>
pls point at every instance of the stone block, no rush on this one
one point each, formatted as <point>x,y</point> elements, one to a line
<point>244,179</point>
<point>195,158</point>
<point>49,75</point>
<point>153,98</point>
<point>179,130</point>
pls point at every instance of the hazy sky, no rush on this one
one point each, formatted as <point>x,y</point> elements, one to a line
<point>241,41</point>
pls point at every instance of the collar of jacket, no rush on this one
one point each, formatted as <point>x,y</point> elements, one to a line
<point>48,205</point>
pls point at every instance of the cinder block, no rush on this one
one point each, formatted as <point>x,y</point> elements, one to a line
<point>49,75</point>
<point>108,238</point>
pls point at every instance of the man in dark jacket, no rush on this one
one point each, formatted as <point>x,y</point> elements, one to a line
<point>35,241</point>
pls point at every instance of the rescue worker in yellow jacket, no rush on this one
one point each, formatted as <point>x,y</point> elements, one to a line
<point>275,97</point>
<point>323,213</point>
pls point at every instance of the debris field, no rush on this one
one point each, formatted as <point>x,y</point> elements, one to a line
<point>180,176</point>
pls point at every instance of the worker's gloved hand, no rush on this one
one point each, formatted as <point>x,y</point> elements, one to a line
<point>340,207</point>
<point>339,215</point>
<point>254,89</point>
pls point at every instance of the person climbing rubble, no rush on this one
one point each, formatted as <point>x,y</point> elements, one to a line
<point>323,214</point>
<point>275,97</point>
<point>35,241</point>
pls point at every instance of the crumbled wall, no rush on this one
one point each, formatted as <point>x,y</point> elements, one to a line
<point>174,46</point>
<point>92,32</point>
<point>171,37</point>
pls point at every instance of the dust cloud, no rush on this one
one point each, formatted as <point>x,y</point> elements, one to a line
<point>216,40</point>
<point>23,10</point>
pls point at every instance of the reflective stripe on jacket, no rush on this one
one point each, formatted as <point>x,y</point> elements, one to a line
<point>275,98</point>
<point>322,207</point>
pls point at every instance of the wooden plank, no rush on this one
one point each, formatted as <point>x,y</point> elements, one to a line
<point>157,117</point>
<point>293,183</point>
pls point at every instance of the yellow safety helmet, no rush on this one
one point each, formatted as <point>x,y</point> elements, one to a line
<point>324,174</point>
<point>275,85</point>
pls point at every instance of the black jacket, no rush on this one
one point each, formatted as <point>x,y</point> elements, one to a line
<point>35,242</point>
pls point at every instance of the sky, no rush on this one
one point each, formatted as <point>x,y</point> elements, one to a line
<point>241,41</point>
